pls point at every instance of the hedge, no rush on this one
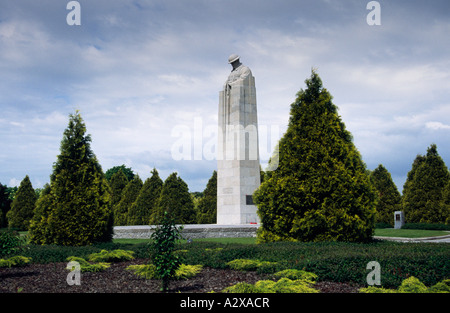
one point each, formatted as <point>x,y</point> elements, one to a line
<point>426,226</point>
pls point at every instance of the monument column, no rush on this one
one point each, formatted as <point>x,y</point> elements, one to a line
<point>238,174</point>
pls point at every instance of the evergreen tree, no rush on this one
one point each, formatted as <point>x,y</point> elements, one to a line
<point>424,189</point>
<point>23,206</point>
<point>320,190</point>
<point>117,183</point>
<point>445,206</point>
<point>207,207</point>
<point>5,205</point>
<point>388,196</point>
<point>77,208</point>
<point>129,196</point>
<point>146,203</point>
<point>176,200</point>
<point>126,170</point>
<point>39,230</point>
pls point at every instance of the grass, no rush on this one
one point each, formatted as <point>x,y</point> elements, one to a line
<point>409,233</point>
<point>243,240</point>
<point>131,241</point>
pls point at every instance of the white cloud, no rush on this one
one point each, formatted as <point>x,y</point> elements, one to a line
<point>135,71</point>
<point>14,182</point>
<point>437,125</point>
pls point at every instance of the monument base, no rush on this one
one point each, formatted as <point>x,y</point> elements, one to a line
<point>191,231</point>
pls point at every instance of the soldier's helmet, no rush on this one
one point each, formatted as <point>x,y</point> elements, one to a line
<point>232,58</point>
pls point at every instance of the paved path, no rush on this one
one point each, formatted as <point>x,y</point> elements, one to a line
<point>445,239</point>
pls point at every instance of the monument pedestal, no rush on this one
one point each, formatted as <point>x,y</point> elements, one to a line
<point>238,174</point>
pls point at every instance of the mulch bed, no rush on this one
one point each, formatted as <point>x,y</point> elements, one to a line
<point>51,278</point>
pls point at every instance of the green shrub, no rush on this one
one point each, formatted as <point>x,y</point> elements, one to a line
<point>411,285</point>
<point>165,239</point>
<point>243,265</point>
<point>10,242</point>
<point>383,225</point>
<point>296,274</point>
<point>88,267</point>
<point>443,286</point>
<point>187,271</point>
<point>111,256</point>
<point>214,250</point>
<point>17,260</point>
<point>252,265</point>
<point>284,285</point>
<point>242,288</point>
<point>148,271</point>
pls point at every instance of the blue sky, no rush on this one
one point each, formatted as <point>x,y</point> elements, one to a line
<point>141,71</point>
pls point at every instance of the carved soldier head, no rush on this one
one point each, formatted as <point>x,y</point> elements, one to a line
<point>234,60</point>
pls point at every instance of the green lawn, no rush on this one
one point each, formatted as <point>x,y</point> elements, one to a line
<point>131,241</point>
<point>409,233</point>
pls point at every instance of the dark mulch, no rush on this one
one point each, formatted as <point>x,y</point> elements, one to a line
<point>51,278</point>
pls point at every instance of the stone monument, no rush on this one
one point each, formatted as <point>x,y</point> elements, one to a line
<point>238,170</point>
<point>399,219</point>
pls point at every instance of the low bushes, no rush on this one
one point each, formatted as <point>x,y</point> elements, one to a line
<point>284,285</point>
<point>411,285</point>
<point>112,256</point>
<point>102,257</point>
<point>17,260</point>
<point>148,271</point>
<point>252,265</point>
<point>10,242</point>
<point>85,266</point>
<point>290,281</point>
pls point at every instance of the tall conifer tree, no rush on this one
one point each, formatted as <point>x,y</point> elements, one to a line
<point>147,201</point>
<point>78,210</point>
<point>176,200</point>
<point>129,196</point>
<point>388,196</point>
<point>320,190</point>
<point>424,189</point>
<point>5,205</point>
<point>118,183</point>
<point>39,232</point>
<point>23,206</point>
<point>207,207</point>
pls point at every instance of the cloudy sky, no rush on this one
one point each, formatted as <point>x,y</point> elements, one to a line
<point>145,76</point>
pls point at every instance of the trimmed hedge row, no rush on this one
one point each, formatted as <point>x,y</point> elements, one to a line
<point>426,226</point>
